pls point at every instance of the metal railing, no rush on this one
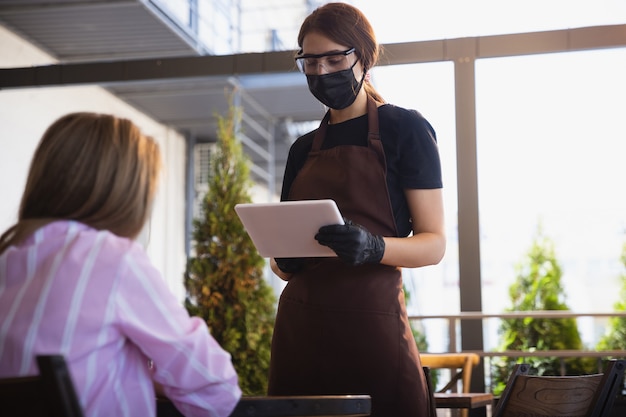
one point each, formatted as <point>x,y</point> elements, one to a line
<point>454,320</point>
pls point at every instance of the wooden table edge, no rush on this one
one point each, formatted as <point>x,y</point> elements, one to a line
<point>463,400</point>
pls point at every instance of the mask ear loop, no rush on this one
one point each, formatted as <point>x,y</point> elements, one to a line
<point>368,76</point>
<point>364,78</point>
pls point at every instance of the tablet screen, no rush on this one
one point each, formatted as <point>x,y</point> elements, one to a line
<point>287,229</point>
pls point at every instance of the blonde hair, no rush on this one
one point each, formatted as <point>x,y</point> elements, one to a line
<point>97,169</point>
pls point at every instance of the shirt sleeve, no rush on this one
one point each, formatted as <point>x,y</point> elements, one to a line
<point>197,375</point>
<point>419,162</point>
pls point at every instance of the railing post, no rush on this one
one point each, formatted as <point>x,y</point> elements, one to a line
<point>452,326</point>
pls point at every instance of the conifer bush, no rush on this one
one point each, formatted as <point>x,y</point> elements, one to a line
<point>538,287</point>
<point>224,279</point>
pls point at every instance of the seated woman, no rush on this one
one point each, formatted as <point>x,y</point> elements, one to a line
<point>74,282</point>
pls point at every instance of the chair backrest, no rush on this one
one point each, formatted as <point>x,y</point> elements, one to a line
<point>49,394</point>
<point>460,365</point>
<point>550,396</point>
<point>609,387</point>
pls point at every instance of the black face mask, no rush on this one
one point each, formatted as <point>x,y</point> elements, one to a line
<point>336,90</point>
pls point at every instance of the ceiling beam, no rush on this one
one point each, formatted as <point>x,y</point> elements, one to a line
<point>116,72</point>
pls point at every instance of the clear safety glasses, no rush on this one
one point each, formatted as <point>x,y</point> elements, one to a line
<point>329,61</point>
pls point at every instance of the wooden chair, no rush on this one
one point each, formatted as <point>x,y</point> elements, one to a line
<point>49,394</point>
<point>288,406</point>
<point>460,366</point>
<point>550,396</point>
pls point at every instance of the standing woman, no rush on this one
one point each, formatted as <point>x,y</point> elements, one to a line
<point>342,325</point>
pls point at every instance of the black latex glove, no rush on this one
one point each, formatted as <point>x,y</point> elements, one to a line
<point>290,265</point>
<point>352,242</point>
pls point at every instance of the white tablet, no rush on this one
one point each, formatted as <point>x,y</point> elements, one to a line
<point>287,229</point>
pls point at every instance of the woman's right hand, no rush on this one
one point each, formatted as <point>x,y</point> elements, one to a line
<point>285,267</point>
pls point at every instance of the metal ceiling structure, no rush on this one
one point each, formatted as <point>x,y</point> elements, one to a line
<point>96,30</point>
<point>138,53</point>
<point>89,38</point>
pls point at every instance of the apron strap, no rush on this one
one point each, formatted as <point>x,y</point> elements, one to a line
<point>320,134</point>
<point>373,133</point>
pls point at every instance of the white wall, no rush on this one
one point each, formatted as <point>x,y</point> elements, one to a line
<point>26,113</point>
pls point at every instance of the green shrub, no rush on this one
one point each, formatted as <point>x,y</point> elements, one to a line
<point>224,280</point>
<point>538,287</point>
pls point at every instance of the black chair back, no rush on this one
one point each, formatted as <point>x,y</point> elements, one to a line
<point>49,394</point>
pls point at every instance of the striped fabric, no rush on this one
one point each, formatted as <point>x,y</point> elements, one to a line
<point>96,299</point>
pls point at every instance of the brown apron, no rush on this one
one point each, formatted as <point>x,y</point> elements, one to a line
<point>342,329</point>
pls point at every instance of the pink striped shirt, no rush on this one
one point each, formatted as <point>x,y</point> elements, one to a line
<point>96,299</point>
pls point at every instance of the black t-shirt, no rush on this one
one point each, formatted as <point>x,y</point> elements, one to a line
<point>410,146</point>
